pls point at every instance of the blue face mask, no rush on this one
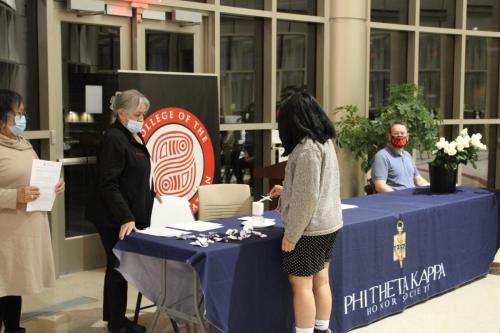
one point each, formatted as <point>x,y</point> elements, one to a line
<point>20,125</point>
<point>134,126</point>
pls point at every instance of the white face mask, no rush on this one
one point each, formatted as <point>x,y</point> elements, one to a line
<point>19,126</point>
<point>134,126</point>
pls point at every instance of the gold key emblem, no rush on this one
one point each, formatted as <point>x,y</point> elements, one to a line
<point>400,243</point>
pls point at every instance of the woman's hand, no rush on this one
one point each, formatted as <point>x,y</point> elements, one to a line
<point>27,194</point>
<point>276,191</point>
<point>60,186</point>
<point>287,245</point>
<point>126,229</point>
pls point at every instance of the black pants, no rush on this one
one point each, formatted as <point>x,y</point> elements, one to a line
<point>115,286</point>
<point>10,312</point>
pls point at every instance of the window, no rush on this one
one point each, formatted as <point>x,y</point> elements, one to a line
<point>169,52</point>
<point>296,57</point>
<point>19,55</point>
<point>389,11</point>
<point>253,4</point>
<point>307,7</point>
<point>484,175</point>
<point>438,13</point>
<point>241,69</point>
<point>388,64</point>
<point>88,53</point>
<point>481,78</point>
<point>483,15</point>
<point>241,154</point>
<point>436,72</point>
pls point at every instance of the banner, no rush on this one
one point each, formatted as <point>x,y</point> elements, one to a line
<point>181,130</point>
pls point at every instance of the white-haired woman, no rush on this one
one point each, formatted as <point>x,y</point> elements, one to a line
<point>123,199</point>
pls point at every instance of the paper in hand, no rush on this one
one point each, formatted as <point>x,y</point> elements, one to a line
<point>44,175</point>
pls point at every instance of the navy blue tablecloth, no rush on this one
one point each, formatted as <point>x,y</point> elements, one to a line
<point>450,239</point>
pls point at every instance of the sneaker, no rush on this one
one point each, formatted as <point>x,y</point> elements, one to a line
<point>326,331</point>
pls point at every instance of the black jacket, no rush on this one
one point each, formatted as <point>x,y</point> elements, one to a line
<point>123,190</point>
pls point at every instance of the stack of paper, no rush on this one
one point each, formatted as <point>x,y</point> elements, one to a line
<point>249,218</point>
<point>197,226</point>
<point>164,232</point>
<point>44,175</point>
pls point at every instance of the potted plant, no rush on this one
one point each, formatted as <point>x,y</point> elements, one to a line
<point>448,155</point>
<point>364,137</point>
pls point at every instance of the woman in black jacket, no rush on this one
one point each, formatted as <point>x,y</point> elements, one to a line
<point>123,200</point>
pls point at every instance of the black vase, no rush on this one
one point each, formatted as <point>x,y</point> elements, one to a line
<point>442,180</point>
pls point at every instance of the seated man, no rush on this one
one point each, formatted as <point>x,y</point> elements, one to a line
<point>393,167</point>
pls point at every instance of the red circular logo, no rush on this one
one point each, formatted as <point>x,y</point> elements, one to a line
<point>181,152</point>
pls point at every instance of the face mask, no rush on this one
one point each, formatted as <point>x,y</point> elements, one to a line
<point>134,126</point>
<point>19,126</point>
<point>399,141</point>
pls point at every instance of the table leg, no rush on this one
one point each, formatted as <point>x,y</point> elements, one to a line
<point>161,299</point>
<point>196,303</point>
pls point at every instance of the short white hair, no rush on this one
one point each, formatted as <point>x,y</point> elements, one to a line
<point>128,100</point>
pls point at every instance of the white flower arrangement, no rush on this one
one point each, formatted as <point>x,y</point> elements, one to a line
<point>463,149</point>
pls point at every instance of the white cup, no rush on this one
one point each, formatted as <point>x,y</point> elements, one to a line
<point>257,213</point>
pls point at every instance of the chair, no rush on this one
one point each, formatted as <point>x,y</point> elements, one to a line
<point>171,210</point>
<point>370,187</point>
<point>223,200</point>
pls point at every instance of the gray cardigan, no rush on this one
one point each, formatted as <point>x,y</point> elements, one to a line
<point>310,201</point>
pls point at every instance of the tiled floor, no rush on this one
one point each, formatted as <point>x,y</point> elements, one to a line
<point>74,306</point>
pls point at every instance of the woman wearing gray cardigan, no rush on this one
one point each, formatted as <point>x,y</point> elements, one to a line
<point>310,208</point>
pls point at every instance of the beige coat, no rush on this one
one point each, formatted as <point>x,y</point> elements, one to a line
<point>26,261</point>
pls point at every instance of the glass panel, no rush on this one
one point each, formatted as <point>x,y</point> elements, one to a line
<point>19,56</point>
<point>89,53</point>
<point>438,13</point>
<point>481,78</point>
<point>483,15</point>
<point>86,52</point>
<point>37,147</point>
<point>422,159</point>
<point>436,70</point>
<point>254,4</point>
<point>296,57</point>
<point>389,11</point>
<point>388,64</point>
<point>241,153</point>
<point>487,165</point>
<point>241,69</point>
<point>307,7</point>
<point>169,52</point>
<point>80,182</point>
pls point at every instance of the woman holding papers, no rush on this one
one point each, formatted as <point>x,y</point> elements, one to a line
<point>26,261</point>
<point>124,197</point>
<point>310,208</point>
